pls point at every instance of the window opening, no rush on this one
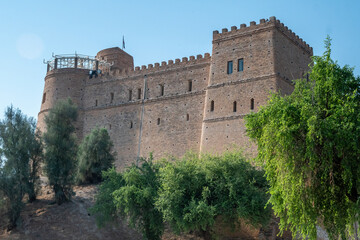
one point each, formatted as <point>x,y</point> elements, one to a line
<point>111,97</point>
<point>190,86</point>
<point>234,106</point>
<point>252,104</point>
<point>229,67</point>
<point>212,106</point>
<point>139,93</point>
<point>240,65</point>
<point>130,95</point>
<point>44,98</point>
<point>131,124</point>
<point>161,90</point>
<point>96,103</point>
<point>158,121</point>
<point>187,117</point>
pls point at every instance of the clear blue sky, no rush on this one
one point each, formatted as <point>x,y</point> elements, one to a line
<point>154,31</point>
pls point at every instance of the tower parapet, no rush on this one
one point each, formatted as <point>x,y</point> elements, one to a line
<point>77,61</point>
<point>263,25</point>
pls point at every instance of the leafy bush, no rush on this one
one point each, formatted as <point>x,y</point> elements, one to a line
<point>105,209</point>
<point>189,193</point>
<point>131,195</point>
<point>94,156</point>
<point>196,190</point>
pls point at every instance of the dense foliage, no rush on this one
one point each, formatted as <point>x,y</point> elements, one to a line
<point>195,191</point>
<point>20,156</point>
<point>104,208</point>
<point>136,199</point>
<point>94,156</point>
<point>132,195</point>
<point>308,143</point>
<point>190,194</point>
<point>61,149</point>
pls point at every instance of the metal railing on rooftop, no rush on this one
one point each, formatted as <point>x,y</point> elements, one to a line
<point>77,61</point>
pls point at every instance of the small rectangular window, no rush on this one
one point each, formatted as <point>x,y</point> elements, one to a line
<point>44,98</point>
<point>139,93</point>
<point>190,86</point>
<point>162,88</point>
<point>240,65</point>
<point>111,97</point>
<point>229,67</point>
<point>130,95</point>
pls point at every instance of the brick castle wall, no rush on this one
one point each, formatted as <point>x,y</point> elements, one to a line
<point>189,103</point>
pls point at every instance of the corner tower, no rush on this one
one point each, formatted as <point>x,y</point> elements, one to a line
<point>66,77</point>
<point>248,64</point>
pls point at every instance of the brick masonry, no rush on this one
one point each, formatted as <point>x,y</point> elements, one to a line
<point>176,115</point>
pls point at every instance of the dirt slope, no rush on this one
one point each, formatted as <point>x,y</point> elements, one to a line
<point>44,220</point>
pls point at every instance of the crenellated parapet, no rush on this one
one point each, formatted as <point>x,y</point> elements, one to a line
<point>263,25</point>
<point>163,66</point>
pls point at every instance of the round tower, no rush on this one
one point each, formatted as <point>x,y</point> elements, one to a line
<point>118,58</point>
<point>66,77</point>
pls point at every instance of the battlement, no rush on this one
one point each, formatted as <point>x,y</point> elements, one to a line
<point>263,25</point>
<point>164,65</point>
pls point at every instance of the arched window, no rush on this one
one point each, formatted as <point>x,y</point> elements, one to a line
<point>212,106</point>
<point>234,106</point>
<point>252,104</point>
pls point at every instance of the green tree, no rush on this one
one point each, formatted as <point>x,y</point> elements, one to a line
<point>196,191</point>
<point>308,143</point>
<point>105,208</point>
<point>135,201</point>
<point>94,156</point>
<point>61,149</point>
<point>19,153</point>
<point>131,195</point>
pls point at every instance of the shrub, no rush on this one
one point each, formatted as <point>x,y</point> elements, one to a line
<point>94,156</point>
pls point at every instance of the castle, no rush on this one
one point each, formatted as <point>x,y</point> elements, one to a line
<point>196,103</point>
